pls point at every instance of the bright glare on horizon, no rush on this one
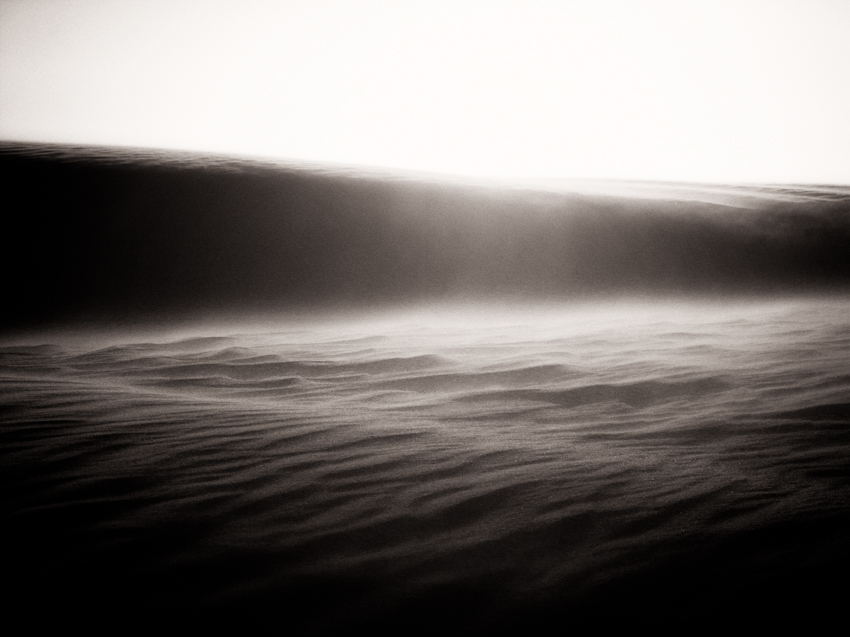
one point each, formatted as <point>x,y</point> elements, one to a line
<point>744,90</point>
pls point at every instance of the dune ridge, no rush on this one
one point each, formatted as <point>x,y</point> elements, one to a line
<point>129,234</point>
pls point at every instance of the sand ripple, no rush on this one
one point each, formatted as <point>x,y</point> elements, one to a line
<point>548,473</point>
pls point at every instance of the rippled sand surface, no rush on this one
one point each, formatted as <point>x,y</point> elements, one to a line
<point>436,471</point>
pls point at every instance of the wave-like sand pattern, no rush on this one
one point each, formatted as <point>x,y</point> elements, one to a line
<point>403,478</point>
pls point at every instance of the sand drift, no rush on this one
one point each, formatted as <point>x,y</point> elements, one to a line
<point>107,234</point>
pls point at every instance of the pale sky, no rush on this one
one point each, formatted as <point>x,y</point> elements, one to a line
<point>744,90</point>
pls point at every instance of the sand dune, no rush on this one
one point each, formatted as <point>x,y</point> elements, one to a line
<point>128,234</point>
<point>253,397</point>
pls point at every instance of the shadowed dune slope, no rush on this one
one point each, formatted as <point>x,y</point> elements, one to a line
<point>101,234</point>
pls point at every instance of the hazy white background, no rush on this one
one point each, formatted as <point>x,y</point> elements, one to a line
<point>739,90</point>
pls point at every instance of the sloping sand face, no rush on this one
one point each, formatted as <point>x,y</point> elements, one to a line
<point>119,236</point>
<point>483,470</point>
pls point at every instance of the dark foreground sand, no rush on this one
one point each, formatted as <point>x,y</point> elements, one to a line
<point>668,464</point>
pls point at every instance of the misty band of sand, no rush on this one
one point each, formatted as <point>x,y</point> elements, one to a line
<point>104,235</point>
<point>270,398</point>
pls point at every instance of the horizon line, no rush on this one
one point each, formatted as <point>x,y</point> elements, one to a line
<point>542,182</point>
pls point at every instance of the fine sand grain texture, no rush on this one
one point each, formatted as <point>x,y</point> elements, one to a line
<point>472,472</point>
